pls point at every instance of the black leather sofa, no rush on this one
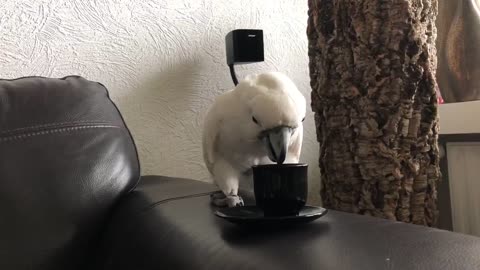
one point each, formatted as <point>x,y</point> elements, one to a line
<point>71,197</point>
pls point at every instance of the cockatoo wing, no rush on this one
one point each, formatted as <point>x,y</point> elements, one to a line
<point>210,138</point>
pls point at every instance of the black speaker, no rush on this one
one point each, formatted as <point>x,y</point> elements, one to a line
<point>244,46</point>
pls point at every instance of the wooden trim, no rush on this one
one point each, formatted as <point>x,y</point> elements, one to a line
<point>461,137</point>
<point>445,220</point>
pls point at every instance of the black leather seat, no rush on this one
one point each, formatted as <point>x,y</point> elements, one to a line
<point>172,226</point>
<point>68,168</point>
<point>66,157</point>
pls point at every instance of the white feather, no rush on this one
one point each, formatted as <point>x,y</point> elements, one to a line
<point>230,137</point>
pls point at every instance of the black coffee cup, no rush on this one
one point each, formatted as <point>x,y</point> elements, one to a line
<point>280,189</point>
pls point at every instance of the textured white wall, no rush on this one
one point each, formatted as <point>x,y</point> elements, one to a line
<point>162,60</point>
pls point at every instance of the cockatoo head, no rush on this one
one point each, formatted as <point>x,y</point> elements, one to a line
<point>276,110</point>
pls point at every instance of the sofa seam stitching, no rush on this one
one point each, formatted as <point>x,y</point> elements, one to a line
<point>153,205</point>
<point>53,125</point>
<point>53,131</point>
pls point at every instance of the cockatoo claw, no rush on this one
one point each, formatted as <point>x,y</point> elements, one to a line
<point>234,201</point>
<point>219,199</point>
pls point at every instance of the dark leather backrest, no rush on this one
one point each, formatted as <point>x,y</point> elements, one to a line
<point>66,156</point>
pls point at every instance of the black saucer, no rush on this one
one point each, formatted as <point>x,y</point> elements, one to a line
<point>252,215</point>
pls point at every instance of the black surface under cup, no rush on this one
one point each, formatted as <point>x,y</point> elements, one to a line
<point>280,189</point>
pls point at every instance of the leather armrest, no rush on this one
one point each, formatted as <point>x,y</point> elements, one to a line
<point>132,212</point>
<point>169,224</point>
<point>153,190</point>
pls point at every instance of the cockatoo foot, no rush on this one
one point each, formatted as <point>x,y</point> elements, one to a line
<point>234,201</point>
<point>219,199</point>
<point>217,195</point>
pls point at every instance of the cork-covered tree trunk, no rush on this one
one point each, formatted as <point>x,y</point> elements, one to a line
<point>372,70</point>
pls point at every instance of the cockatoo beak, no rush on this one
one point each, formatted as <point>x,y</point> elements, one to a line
<point>277,141</point>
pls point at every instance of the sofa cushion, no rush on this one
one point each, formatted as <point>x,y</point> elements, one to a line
<point>66,156</point>
<point>178,230</point>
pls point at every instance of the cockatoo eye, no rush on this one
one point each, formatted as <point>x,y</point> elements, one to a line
<point>303,119</point>
<point>254,120</point>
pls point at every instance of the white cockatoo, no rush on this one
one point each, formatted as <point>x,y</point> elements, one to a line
<point>258,122</point>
